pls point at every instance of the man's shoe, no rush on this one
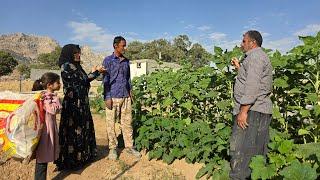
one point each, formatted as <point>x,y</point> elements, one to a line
<point>133,152</point>
<point>113,154</point>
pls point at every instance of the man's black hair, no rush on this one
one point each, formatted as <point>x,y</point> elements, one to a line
<point>117,40</point>
<point>255,35</point>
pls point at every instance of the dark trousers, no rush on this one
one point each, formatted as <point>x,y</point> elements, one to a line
<point>246,143</point>
<point>41,171</point>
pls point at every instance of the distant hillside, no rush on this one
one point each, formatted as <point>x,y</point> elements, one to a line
<point>26,47</point>
<point>89,58</point>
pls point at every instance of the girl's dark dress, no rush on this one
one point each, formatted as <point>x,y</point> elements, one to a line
<point>76,130</point>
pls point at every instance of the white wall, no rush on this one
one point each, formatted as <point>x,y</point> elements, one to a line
<point>135,71</point>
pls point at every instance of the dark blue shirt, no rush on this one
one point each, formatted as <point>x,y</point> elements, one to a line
<point>116,81</point>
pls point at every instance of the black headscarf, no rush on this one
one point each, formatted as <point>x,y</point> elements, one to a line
<point>67,54</point>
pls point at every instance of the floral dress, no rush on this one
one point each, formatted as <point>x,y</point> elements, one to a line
<point>76,131</point>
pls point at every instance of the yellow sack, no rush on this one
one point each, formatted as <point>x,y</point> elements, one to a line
<point>21,117</point>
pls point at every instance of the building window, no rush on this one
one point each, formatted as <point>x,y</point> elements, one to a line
<point>138,65</point>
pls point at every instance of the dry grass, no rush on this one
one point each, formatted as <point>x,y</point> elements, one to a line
<point>14,85</point>
<point>26,86</point>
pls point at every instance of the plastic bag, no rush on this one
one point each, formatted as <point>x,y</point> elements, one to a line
<point>21,118</point>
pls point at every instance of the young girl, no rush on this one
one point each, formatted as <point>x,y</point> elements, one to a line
<point>48,147</point>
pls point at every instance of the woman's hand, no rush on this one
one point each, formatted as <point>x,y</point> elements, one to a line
<point>101,69</point>
<point>94,68</point>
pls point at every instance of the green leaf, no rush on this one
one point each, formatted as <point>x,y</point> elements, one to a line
<point>168,158</point>
<point>168,102</point>
<point>285,146</point>
<point>305,113</point>
<point>276,113</point>
<point>295,91</point>
<point>260,170</point>
<point>306,150</point>
<point>204,170</point>
<point>316,109</point>
<point>187,105</point>
<point>223,105</point>
<point>217,50</point>
<point>187,121</point>
<point>156,154</point>
<point>195,92</point>
<point>303,132</point>
<point>204,83</point>
<point>178,95</point>
<point>308,40</point>
<point>279,82</point>
<point>313,97</point>
<point>277,159</point>
<point>299,171</point>
<point>219,126</point>
<point>212,94</point>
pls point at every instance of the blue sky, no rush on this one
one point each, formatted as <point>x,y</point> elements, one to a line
<point>211,23</point>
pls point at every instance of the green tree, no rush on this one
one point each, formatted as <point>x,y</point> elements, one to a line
<point>135,50</point>
<point>198,56</point>
<point>48,60</point>
<point>24,70</point>
<point>181,45</point>
<point>182,42</point>
<point>162,50</point>
<point>7,63</point>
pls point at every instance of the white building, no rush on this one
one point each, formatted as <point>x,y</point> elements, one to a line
<point>147,66</point>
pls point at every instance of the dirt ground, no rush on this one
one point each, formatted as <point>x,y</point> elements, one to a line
<point>126,167</point>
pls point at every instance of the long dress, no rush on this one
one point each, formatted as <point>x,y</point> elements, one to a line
<point>48,147</point>
<point>76,130</point>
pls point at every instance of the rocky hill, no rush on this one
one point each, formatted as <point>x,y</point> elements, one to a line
<point>26,47</point>
<point>89,58</point>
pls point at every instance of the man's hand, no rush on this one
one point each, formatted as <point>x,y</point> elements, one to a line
<point>235,63</point>
<point>109,104</point>
<point>242,120</point>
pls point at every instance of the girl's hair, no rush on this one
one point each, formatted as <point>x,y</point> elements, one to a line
<point>46,78</point>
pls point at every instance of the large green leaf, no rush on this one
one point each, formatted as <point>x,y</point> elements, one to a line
<point>168,102</point>
<point>285,146</point>
<point>299,171</point>
<point>187,105</point>
<point>303,132</point>
<point>313,97</point>
<point>306,150</point>
<point>305,113</point>
<point>260,170</point>
<point>217,50</point>
<point>279,82</point>
<point>316,109</point>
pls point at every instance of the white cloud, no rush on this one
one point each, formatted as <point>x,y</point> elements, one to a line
<point>278,14</point>
<point>230,44</point>
<point>265,34</point>
<point>190,26</point>
<point>132,33</point>
<point>92,33</point>
<point>204,28</point>
<point>283,45</point>
<point>216,36</point>
<point>252,23</point>
<point>79,14</point>
<point>308,30</point>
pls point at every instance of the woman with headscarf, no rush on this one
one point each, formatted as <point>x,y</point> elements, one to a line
<point>76,131</point>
